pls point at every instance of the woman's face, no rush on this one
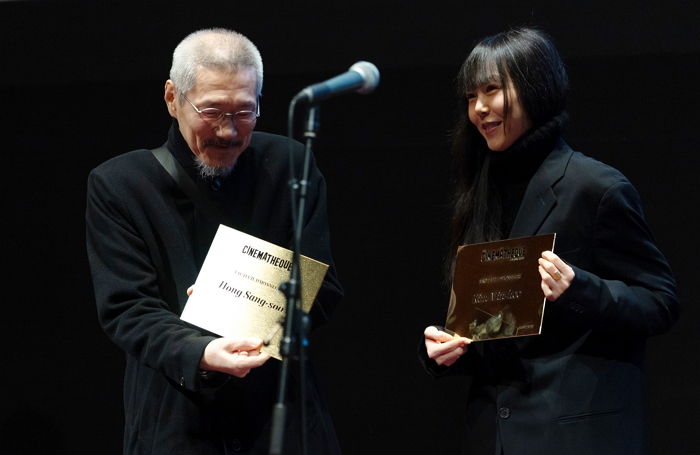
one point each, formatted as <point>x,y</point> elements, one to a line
<point>486,112</point>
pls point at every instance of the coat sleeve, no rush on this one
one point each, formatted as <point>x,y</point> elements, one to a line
<point>630,287</point>
<point>130,305</point>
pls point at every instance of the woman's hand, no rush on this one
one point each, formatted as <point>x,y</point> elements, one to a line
<point>442,347</point>
<point>556,275</point>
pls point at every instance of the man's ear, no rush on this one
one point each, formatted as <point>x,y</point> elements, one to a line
<point>170,97</point>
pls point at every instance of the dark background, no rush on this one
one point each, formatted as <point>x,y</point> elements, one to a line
<point>80,83</point>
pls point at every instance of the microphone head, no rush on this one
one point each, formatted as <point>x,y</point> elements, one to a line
<point>370,76</point>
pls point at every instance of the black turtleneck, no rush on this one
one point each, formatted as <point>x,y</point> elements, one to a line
<point>232,195</point>
<point>511,170</point>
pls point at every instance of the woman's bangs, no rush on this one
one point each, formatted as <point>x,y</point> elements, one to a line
<point>479,69</point>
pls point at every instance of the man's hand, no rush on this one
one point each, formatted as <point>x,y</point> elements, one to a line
<point>234,356</point>
<point>443,347</point>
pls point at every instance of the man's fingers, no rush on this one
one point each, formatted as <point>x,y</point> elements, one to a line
<point>246,344</point>
<point>251,361</point>
<point>233,355</point>
<point>244,363</point>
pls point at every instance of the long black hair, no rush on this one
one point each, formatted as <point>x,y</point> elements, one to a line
<point>525,60</point>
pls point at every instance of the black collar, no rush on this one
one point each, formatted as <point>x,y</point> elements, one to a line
<point>520,162</point>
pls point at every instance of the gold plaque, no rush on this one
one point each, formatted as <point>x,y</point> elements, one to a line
<point>496,289</point>
<point>237,290</point>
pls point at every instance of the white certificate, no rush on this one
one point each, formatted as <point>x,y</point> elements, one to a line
<point>237,290</point>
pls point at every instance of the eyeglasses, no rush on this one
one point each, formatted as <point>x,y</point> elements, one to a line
<point>214,115</point>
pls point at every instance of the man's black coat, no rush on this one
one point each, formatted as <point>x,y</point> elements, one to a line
<point>146,242</point>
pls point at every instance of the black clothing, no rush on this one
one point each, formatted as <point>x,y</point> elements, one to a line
<point>578,388</point>
<point>146,242</point>
<point>510,171</point>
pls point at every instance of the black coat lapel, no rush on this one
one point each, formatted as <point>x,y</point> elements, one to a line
<point>539,198</point>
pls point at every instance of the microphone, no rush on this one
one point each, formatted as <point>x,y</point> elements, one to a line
<point>362,77</point>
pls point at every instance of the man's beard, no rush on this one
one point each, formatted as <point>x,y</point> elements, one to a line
<point>207,171</point>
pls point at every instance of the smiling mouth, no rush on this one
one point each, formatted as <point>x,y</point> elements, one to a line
<point>489,127</point>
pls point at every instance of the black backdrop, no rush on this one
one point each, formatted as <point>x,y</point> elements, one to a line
<point>80,83</point>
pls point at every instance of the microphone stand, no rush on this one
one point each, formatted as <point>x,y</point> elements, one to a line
<point>295,340</point>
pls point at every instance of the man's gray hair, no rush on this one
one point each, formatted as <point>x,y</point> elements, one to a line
<point>214,48</point>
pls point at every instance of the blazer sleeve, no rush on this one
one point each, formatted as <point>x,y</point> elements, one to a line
<point>629,287</point>
<point>130,306</point>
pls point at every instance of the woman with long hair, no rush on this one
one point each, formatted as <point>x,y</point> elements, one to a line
<point>578,388</point>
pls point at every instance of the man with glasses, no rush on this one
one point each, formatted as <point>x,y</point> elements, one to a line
<point>186,390</point>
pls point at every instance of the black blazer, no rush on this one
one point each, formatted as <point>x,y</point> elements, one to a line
<point>578,388</point>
